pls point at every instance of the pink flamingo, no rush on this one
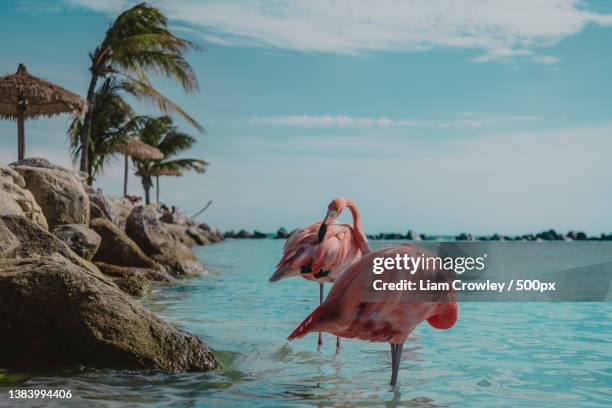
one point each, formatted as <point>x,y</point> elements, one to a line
<point>323,250</point>
<point>353,309</point>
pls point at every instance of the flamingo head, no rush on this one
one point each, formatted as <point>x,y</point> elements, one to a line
<point>334,209</point>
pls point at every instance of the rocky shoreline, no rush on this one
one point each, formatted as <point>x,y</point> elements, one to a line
<point>550,235</point>
<point>72,260</point>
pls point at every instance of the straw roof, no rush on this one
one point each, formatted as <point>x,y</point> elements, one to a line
<point>41,98</point>
<point>164,171</point>
<point>138,149</point>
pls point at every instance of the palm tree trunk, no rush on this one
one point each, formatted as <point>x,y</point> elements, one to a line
<point>86,130</point>
<point>157,186</point>
<point>20,130</point>
<point>146,185</point>
<point>125,176</point>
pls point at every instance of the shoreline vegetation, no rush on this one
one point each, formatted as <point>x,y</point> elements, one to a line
<point>550,235</point>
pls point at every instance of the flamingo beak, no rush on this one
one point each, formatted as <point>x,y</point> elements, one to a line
<point>329,217</point>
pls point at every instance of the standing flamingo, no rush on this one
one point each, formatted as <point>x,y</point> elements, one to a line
<point>353,309</point>
<point>323,250</point>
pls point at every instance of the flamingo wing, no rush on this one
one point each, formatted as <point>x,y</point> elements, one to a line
<point>324,261</point>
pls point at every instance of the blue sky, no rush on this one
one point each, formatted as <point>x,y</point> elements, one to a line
<point>433,116</point>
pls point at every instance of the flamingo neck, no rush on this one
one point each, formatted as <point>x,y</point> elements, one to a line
<point>360,236</point>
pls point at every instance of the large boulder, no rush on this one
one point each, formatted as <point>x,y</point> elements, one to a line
<point>82,240</point>
<point>59,193</point>
<point>16,200</point>
<point>179,233</point>
<point>35,241</point>
<point>56,314</point>
<point>157,242</point>
<point>116,271</point>
<point>9,244</point>
<point>116,248</point>
<point>114,209</point>
<point>200,237</point>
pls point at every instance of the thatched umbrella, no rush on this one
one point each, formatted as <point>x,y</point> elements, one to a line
<point>163,171</point>
<point>24,96</point>
<point>138,149</point>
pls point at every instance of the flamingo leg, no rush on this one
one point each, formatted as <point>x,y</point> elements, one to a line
<point>337,344</point>
<point>396,355</point>
<point>320,342</point>
<point>393,346</point>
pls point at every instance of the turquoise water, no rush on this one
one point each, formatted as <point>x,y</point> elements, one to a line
<point>503,354</point>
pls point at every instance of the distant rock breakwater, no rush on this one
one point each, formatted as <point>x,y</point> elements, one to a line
<point>550,235</point>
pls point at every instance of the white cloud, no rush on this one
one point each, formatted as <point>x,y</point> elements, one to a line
<point>308,121</point>
<point>343,121</point>
<point>500,29</point>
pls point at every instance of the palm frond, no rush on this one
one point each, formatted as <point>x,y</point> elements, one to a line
<point>142,89</point>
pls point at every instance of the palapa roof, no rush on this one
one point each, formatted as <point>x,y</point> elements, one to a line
<point>40,97</point>
<point>164,171</point>
<point>138,149</point>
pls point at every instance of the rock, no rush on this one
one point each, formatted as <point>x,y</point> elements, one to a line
<point>134,285</point>
<point>412,236</point>
<point>16,200</point>
<point>56,314</point>
<point>281,234</point>
<point>213,236</point>
<point>117,271</point>
<point>82,240</point>
<point>258,234</point>
<point>179,232</point>
<point>117,209</point>
<point>117,248</point>
<point>157,242</point>
<point>200,237</point>
<point>59,193</point>
<point>243,234</point>
<point>12,175</point>
<point>40,163</point>
<point>35,241</point>
<point>9,244</point>
<point>170,218</point>
<point>550,235</point>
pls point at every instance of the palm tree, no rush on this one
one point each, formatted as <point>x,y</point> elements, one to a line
<point>161,133</point>
<point>111,121</point>
<point>139,42</point>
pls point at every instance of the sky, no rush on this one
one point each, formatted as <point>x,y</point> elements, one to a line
<point>436,116</point>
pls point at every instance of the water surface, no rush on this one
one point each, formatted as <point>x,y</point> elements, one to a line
<point>504,354</point>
